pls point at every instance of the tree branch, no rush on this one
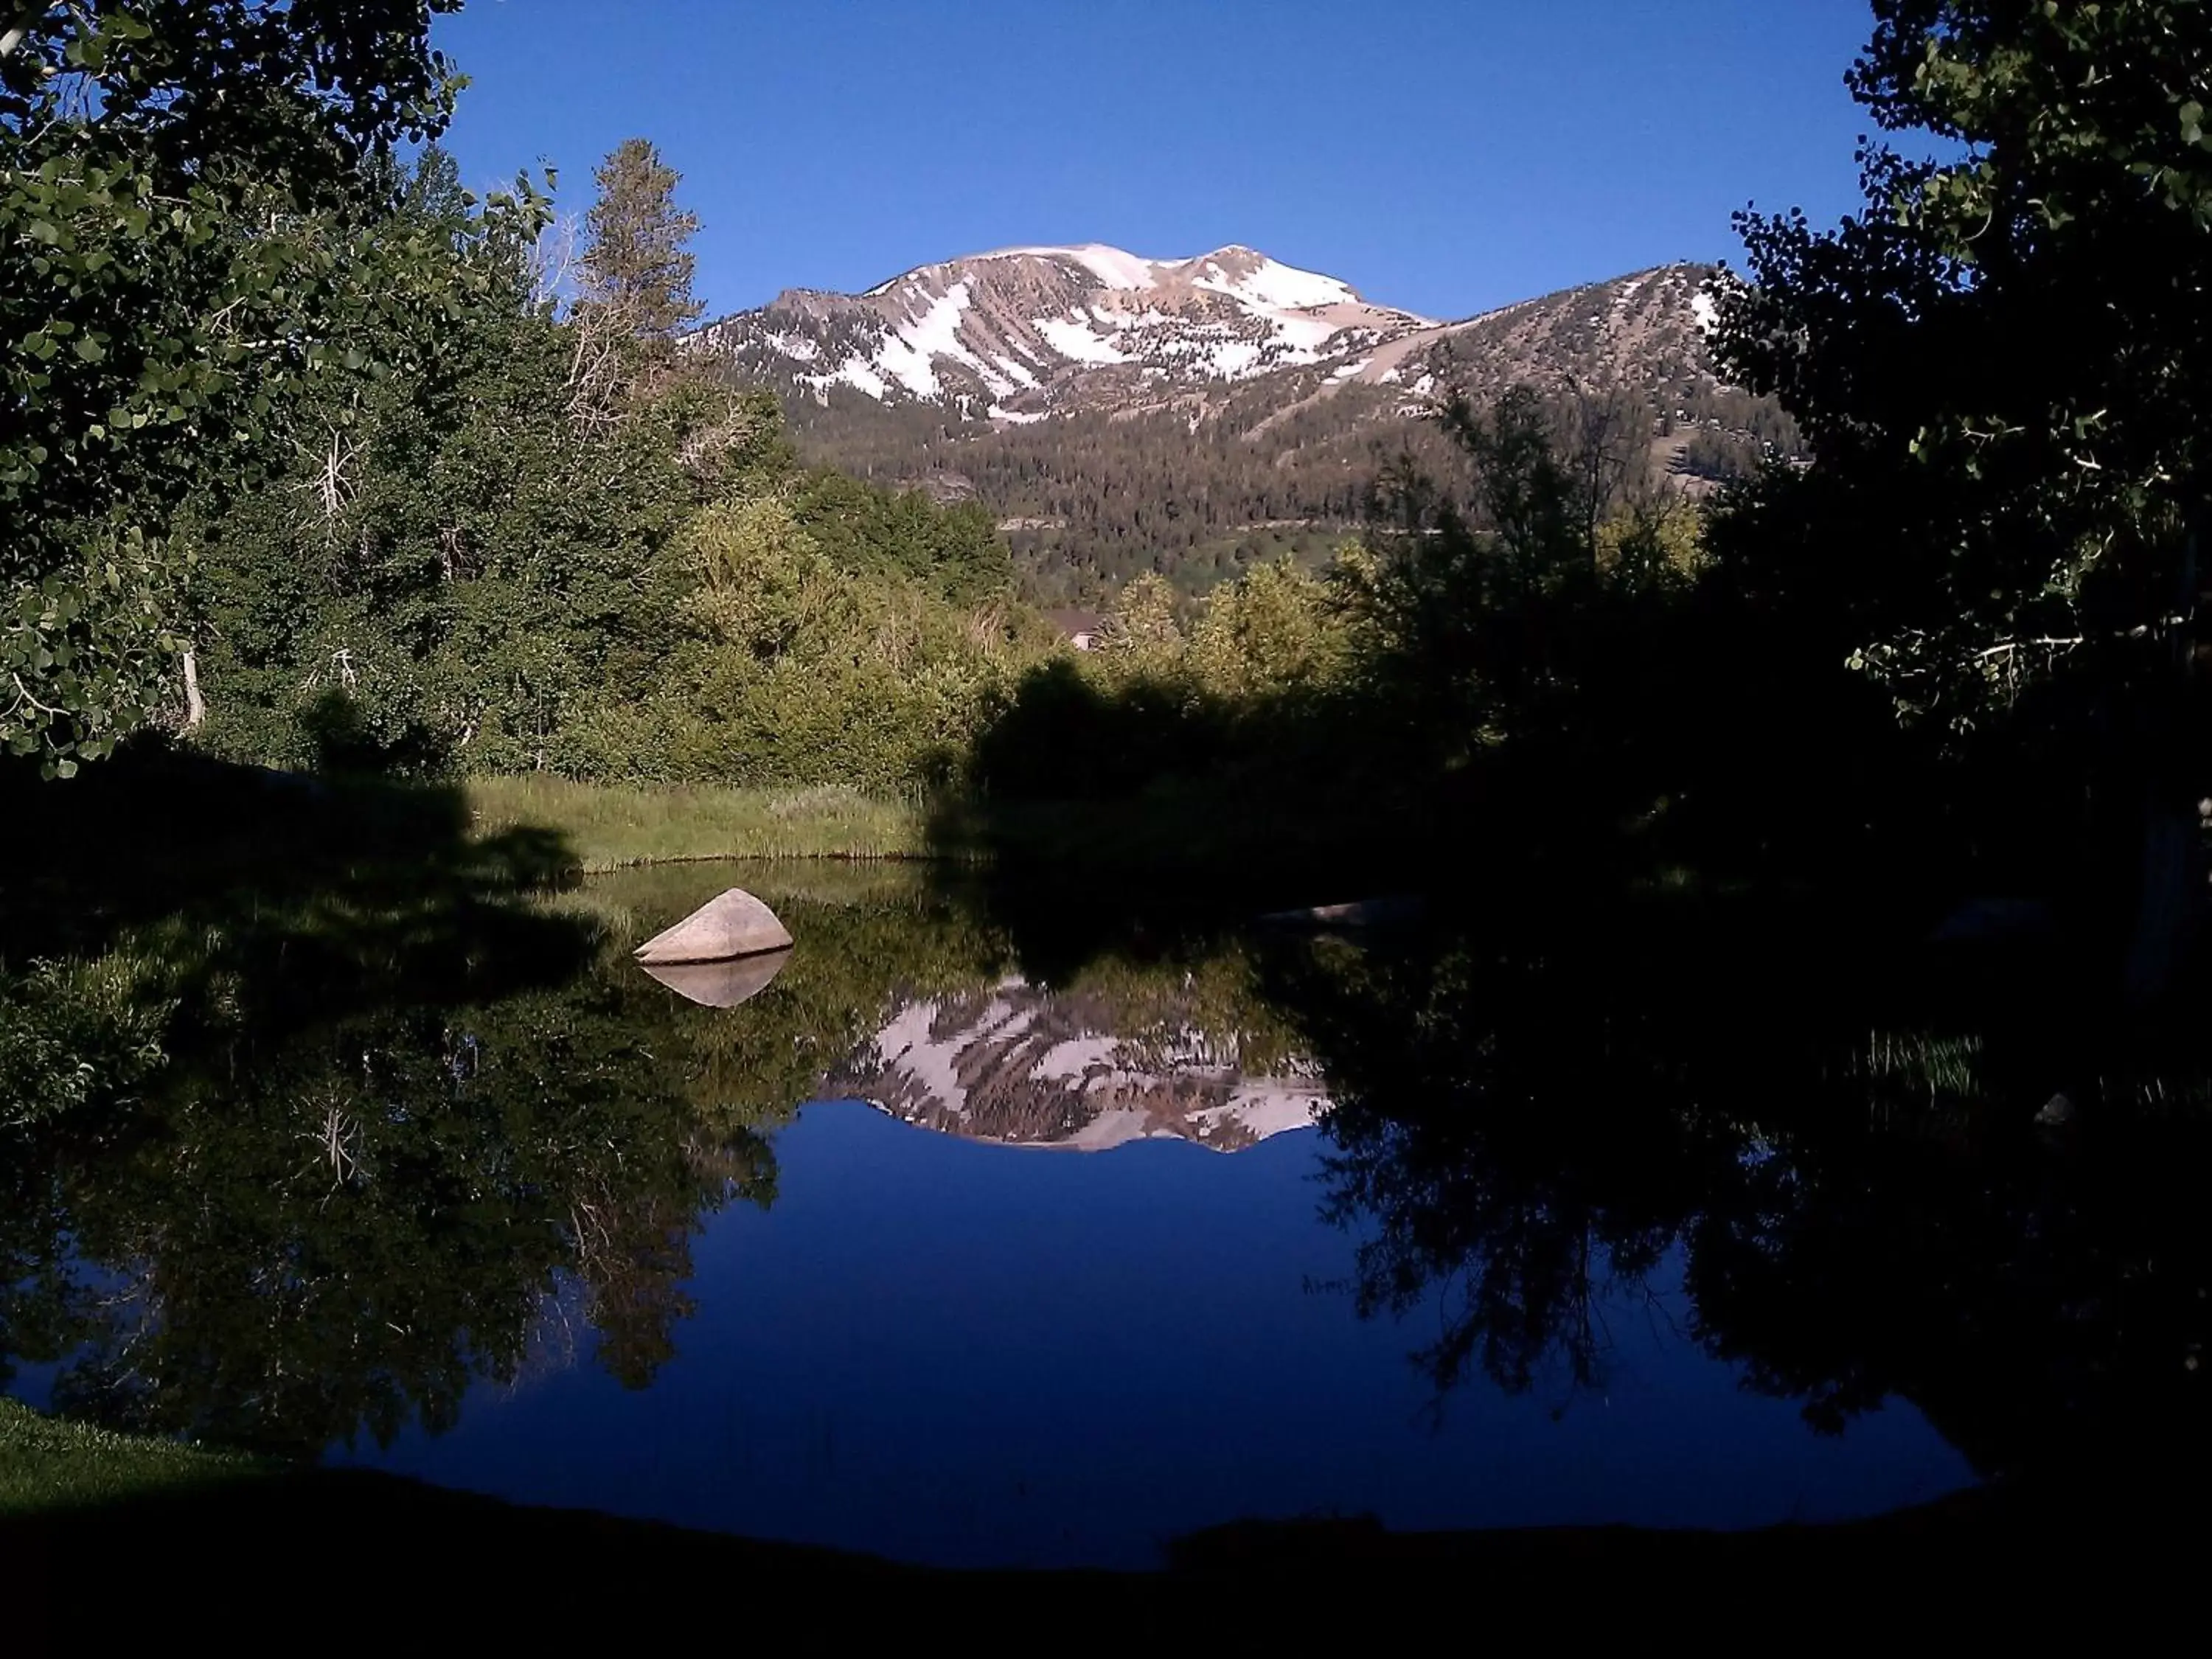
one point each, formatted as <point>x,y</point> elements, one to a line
<point>17,32</point>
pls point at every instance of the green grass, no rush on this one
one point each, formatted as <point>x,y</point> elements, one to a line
<point>48,1464</point>
<point>613,826</point>
<point>618,826</point>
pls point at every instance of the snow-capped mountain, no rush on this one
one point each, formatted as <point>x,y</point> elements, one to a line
<point>1013,336</point>
<point>1018,334</point>
<point>1119,414</point>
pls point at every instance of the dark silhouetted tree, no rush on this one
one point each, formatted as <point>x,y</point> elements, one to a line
<point>2003,364</point>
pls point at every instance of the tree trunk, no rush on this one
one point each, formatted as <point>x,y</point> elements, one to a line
<point>195,705</point>
<point>2173,886</point>
<point>2168,902</point>
<point>13,35</point>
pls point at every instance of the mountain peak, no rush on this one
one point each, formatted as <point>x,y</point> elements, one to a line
<point>1017,333</point>
<point>1114,267</point>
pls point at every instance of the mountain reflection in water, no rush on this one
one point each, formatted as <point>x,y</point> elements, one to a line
<point>1026,1064</point>
<point>1668,1234</point>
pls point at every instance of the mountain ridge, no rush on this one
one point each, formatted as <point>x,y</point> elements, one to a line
<point>1015,334</point>
<point>1119,413</point>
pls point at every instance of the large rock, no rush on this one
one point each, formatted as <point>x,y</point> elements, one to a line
<point>721,984</point>
<point>735,925</point>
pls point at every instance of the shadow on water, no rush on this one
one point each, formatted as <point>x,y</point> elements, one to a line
<point>1673,999</point>
<point>321,1109</point>
<point>306,897</point>
<point>381,1110</point>
<point>1865,1206</point>
<point>1883,1169</point>
<point>1526,1123</point>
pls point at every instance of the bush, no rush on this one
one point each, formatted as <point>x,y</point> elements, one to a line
<point>75,1034</point>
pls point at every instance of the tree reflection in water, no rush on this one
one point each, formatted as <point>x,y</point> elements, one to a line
<point>340,1234</point>
<point>314,1230</point>
<point>335,1224</point>
<point>1526,1125</point>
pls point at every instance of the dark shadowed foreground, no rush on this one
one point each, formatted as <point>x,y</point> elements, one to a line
<point>367,1559</point>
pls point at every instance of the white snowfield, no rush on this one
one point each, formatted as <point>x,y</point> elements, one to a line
<point>909,355</point>
<point>1078,339</point>
<point>1111,265</point>
<point>1270,284</point>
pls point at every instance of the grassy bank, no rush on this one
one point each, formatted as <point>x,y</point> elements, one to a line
<point>612,826</point>
<point>1194,830</point>
<point>47,1464</point>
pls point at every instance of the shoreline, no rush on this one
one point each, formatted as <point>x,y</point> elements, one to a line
<point>260,1550</point>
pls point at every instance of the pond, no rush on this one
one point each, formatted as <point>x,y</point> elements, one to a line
<point>990,1233</point>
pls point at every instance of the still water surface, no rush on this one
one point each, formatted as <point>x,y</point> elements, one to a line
<point>957,1352</point>
<point>967,1242</point>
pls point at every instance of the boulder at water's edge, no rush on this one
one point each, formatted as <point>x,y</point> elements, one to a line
<point>734,925</point>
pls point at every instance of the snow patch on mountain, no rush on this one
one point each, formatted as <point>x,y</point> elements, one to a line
<point>856,374</point>
<point>909,355</point>
<point>1017,331</point>
<point>1077,340</point>
<point>1232,360</point>
<point>1273,284</point>
<point>1027,333</point>
<point>1111,265</point>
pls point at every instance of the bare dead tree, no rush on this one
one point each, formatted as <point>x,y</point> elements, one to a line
<point>599,377</point>
<point>332,483</point>
<point>1609,450</point>
<point>553,262</point>
<point>337,1140</point>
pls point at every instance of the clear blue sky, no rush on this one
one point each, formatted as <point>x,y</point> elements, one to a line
<point>1446,156</point>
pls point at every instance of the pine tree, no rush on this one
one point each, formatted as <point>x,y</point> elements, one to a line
<point>633,286</point>
<point>636,267</point>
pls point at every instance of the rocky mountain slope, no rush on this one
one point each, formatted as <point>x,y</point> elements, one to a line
<point>1121,413</point>
<point>1020,334</point>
